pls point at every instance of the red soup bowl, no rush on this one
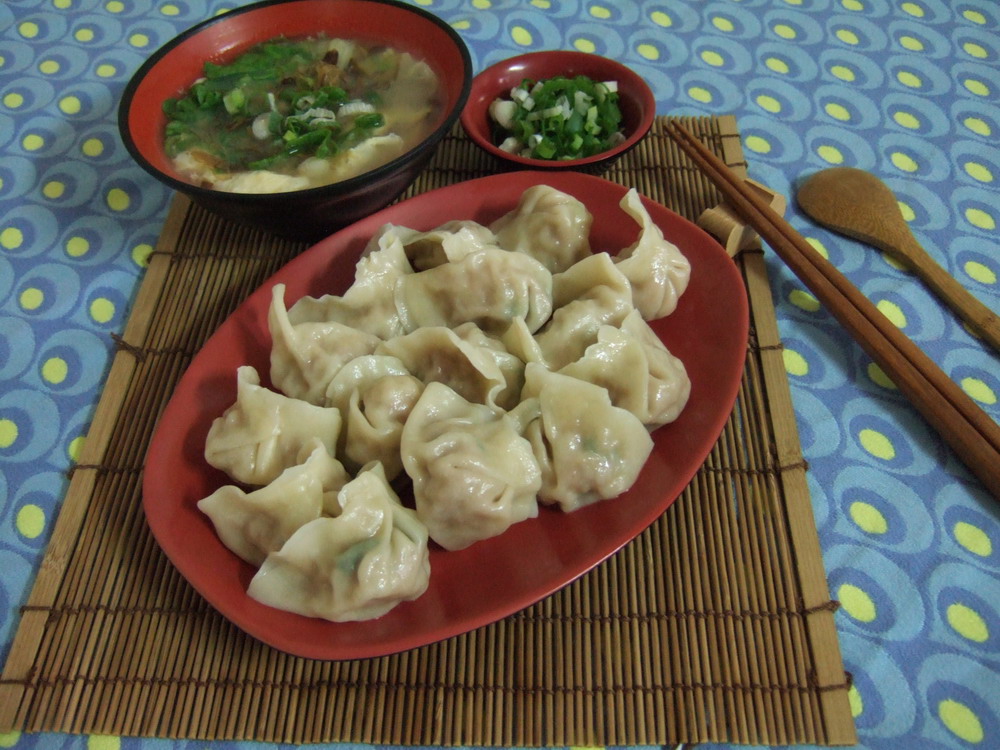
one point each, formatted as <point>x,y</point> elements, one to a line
<point>312,213</point>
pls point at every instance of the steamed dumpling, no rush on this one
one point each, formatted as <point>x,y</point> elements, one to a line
<point>358,374</point>
<point>637,370</point>
<point>369,304</point>
<point>657,269</point>
<point>263,433</point>
<point>669,386</point>
<point>375,394</point>
<point>587,448</point>
<point>356,566</point>
<point>487,287</point>
<point>473,474</point>
<point>517,339</point>
<point>447,243</point>
<point>306,356</point>
<point>257,523</point>
<point>511,365</point>
<point>589,294</point>
<point>549,225</point>
<point>375,418</point>
<point>439,354</point>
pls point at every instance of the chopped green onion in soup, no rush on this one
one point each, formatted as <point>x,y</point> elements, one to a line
<point>293,114</point>
<point>558,118</point>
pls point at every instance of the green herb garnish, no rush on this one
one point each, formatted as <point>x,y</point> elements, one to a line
<point>273,106</point>
<point>559,118</point>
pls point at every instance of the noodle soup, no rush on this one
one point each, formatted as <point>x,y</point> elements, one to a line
<point>289,115</point>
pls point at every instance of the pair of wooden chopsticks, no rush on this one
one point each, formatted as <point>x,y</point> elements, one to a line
<point>974,437</point>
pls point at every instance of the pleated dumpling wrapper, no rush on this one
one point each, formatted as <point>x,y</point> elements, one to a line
<point>263,432</point>
<point>657,269</point>
<point>587,448</point>
<point>254,524</point>
<point>473,474</point>
<point>356,566</point>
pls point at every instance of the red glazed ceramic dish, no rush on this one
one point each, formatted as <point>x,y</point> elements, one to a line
<point>492,578</point>
<point>635,99</point>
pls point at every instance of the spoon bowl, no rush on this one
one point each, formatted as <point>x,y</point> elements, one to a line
<point>859,205</point>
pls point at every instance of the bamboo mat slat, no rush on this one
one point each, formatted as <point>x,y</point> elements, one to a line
<point>714,625</point>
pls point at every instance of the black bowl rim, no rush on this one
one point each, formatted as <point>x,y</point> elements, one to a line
<point>372,176</point>
<point>567,164</point>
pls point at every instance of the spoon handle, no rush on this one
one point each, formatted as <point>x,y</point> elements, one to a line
<point>981,320</point>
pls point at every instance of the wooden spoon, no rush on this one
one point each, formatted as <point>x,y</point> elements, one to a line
<point>858,204</point>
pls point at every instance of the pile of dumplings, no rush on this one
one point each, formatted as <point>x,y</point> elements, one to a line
<point>492,367</point>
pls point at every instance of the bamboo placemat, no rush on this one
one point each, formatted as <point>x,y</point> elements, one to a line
<point>714,625</point>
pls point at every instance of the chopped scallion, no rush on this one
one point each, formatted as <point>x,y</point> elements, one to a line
<point>559,118</point>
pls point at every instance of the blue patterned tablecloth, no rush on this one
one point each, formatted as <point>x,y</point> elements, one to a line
<point>908,89</point>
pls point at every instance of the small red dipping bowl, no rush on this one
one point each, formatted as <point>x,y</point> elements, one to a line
<point>314,213</point>
<point>635,98</point>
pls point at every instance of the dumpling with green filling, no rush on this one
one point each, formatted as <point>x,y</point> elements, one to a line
<point>638,371</point>
<point>587,448</point>
<point>356,566</point>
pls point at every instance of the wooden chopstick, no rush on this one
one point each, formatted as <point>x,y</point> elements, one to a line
<point>947,408</point>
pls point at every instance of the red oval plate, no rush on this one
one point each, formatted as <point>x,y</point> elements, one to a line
<point>496,577</point>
